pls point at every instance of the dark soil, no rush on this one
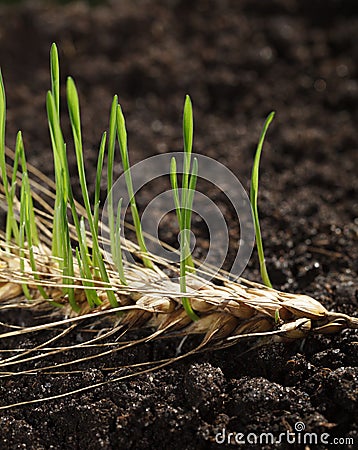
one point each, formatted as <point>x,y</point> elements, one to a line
<point>238,61</point>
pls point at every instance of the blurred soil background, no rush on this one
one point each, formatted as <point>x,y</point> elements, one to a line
<point>238,60</point>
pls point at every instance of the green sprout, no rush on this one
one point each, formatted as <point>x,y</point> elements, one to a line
<point>11,223</point>
<point>117,252</point>
<point>253,199</point>
<point>123,147</point>
<point>61,243</point>
<point>114,226</point>
<point>184,202</point>
<point>27,215</point>
<point>97,190</point>
<point>74,112</point>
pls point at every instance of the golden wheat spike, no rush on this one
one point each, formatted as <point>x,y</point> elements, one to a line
<point>153,300</point>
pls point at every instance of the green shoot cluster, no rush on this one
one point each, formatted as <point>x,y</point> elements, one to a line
<point>21,228</point>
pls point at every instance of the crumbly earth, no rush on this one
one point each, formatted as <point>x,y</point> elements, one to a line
<point>238,61</point>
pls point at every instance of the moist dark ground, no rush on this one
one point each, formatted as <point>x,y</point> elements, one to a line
<point>238,60</point>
